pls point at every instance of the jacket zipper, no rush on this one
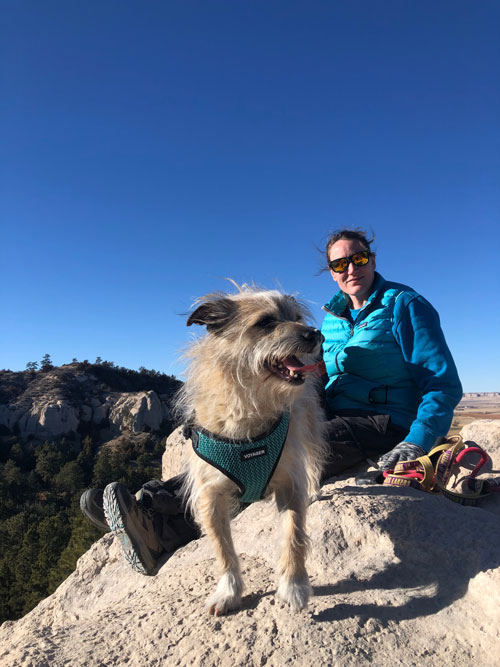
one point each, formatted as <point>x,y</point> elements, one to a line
<point>351,330</point>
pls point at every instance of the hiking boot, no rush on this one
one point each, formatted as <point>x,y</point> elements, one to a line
<point>92,509</point>
<point>139,530</point>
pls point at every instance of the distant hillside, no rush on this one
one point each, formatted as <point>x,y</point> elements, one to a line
<point>64,429</point>
<point>66,381</point>
<point>81,398</point>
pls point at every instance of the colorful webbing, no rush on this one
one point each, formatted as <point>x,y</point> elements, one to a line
<point>421,474</point>
<point>418,473</point>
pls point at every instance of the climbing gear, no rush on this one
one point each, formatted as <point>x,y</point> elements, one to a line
<point>440,472</point>
<point>466,489</point>
<point>248,463</point>
<point>420,473</point>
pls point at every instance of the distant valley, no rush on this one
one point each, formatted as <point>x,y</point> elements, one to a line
<point>475,405</point>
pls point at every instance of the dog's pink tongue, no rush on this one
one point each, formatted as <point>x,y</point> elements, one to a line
<point>291,364</point>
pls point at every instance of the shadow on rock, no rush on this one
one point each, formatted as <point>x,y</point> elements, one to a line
<point>439,547</point>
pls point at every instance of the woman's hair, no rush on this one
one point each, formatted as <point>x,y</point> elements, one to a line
<point>355,234</point>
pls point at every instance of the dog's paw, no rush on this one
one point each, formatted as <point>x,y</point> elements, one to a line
<point>218,605</point>
<point>227,596</point>
<point>295,591</point>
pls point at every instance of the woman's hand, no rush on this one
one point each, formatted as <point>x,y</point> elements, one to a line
<point>405,451</point>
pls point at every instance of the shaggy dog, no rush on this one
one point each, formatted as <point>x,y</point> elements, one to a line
<point>254,369</point>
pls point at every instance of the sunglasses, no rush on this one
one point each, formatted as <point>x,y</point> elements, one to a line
<point>358,259</point>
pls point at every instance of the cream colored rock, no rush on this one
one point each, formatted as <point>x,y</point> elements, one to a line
<point>135,410</point>
<point>174,454</point>
<point>486,433</point>
<point>47,418</point>
<point>400,577</point>
<point>9,416</point>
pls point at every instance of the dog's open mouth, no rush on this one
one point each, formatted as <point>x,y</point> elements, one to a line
<point>292,370</point>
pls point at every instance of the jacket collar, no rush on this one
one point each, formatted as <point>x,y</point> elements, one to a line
<point>341,301</point>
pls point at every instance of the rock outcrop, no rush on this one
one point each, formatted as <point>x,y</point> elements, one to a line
<point>486,432</point>
<point>174,454</point>
<point>62,401</point>
<point>400,577</point>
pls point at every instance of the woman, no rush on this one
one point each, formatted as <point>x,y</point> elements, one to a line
<point>392,384</point>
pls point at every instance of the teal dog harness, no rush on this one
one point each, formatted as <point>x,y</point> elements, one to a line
<point>248,463</point>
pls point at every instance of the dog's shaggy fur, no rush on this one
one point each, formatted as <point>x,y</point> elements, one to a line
<point>242,376</point>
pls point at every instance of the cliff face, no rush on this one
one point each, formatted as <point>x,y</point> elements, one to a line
<point>400,577</point>
<point>67,399</point>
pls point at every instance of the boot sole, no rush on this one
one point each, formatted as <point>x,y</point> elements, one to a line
<point>85,506</point>
<point>115,511</point>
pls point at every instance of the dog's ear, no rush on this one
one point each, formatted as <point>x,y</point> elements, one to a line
<point>215,315</point>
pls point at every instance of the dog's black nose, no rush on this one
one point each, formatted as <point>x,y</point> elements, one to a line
<point>313,335</point>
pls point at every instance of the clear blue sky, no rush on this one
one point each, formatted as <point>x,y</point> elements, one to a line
<point>149,149</point>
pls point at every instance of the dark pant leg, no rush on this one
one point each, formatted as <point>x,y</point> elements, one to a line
<point>353,438</point>
<point>166,499</point>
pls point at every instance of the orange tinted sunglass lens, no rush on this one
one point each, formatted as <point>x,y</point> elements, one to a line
<point>360,259</point>
<point>339,264</point>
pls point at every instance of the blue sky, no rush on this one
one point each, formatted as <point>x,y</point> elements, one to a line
<point>150,149</point>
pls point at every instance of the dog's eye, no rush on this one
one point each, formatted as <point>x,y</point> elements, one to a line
<point>265,322</point>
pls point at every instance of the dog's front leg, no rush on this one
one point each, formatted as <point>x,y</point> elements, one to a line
<point>293,581</point>
<point>216,521</point>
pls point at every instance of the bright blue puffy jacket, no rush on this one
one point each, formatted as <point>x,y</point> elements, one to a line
<point>393,359</point>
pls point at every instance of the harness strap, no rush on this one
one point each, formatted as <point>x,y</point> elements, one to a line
<point>250,464</point>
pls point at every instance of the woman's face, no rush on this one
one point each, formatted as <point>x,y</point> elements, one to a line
<point>356,281</point>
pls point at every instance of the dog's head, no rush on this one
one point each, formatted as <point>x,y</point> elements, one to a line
<point>260,333</point>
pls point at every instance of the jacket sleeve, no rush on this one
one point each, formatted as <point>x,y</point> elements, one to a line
<point>418,332</point>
